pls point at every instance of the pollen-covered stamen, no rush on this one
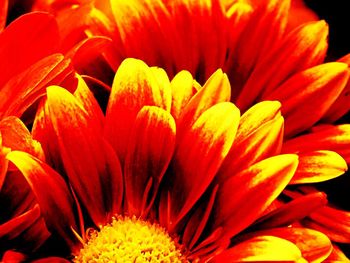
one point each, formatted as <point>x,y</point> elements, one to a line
<point>130,240</point>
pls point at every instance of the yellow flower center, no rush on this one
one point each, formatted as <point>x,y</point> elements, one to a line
<point>130,240</point>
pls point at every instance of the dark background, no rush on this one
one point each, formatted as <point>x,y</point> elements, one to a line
<point>337,15</point>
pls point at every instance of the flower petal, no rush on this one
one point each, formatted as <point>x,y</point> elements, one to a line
<point>266,26</point>
<point>134,86</point>
<point>21,91</point>
<point>340,107</point>
<point>198,157</point>
<point>16,136</point>
<point>318,166</point>
<point>3,14</point>
<point>91,165</point>
<point>314,246</point>
<point>303,48</point>
<point>51,192</point>
<point>86,98</point>
<point>259,136</point>
<point>152,143</point>
<point>246,195</point>
<point>335,223</point>
<point>262,249</point>
<point>292,211</point>
<point>182,89</point>
<point>30,38</point>
<point>329,137</point>
<point>217,89</point>
<point>314,88</point>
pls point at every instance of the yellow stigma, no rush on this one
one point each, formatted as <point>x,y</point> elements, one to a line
<point>130,240</point>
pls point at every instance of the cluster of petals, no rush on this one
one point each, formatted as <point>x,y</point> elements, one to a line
<point>205,154</point>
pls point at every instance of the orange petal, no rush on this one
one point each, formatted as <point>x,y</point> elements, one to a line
<point>91,165</point>
<point>51,191</point>
<point>134,86</point>
<point>311,91</point>
<point>3,161</point>
<point>3,14</point>
<point>87,99</point>
<point>266,27</point>
<point>29,38</point>
<point>152,143</point>
<point>259,136</point>
<point>341,106</point>
<point>314,246</point>
<point>217,89</point>
<point>262,249</point>
<point>199,155</point>
<point>238,16</point>
<point>336,256</point>
<point>182,89</point>
<point>303,48</point>
<point>16,136</point>
<point>21,91</point>
<point>292,211</point>
<point>246,195</point>
<point>89,58</point>
<point>335,223</point>
<point>329,137</point>
<point>318,166</point>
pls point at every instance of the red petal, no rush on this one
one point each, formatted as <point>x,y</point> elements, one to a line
<point>328,137</point>
<point>259,136</point>
<point>318,166</point>
<point>266,27</point>
<point>199,155</point>
<point>51,192</point>
<point>87,99</point>
<point>217,89</point>
<point>3,14</point>
<point>341,106</point>
<point>311,91</point>
<point>152,143</point>
<point>314,246</point>
<point>262,249</point>
<point>303,48</point>
<point>182,89</point>
<point>88,160</point>
<point>21,91</point>
<point>16,136</point>
<point>245,196</point>
<point>134,86</point>
<point>29,38</point>
<point>292,211</point>
<point>13,257</point>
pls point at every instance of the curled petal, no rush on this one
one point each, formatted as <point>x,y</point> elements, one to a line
<point>318,166</point>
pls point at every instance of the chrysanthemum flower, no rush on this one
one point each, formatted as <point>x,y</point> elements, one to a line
<point>167,174</point>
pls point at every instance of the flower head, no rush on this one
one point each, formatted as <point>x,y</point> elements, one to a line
<point>141,167</point>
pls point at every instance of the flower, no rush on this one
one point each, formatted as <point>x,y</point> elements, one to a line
<point>263,60</point>
<point>156,163</point>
